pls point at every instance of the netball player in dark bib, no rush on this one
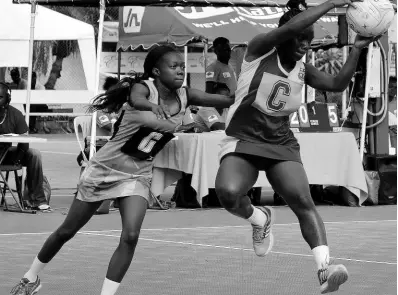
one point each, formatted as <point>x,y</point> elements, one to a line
<point>122,168</point>
<point>259,136</point>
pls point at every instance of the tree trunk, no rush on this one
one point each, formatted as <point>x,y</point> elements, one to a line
<point>55,73</point>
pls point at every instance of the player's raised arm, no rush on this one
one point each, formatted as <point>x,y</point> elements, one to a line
<point>263,43</point>
<point>323,81</point>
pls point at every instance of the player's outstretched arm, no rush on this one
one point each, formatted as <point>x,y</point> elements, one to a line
<point>204,99</point>
<point>322,81</point>
<point>263,43</point>
<point>139,100</point>
<point>149,119</point>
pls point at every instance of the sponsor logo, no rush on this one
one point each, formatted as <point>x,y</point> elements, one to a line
<point>260,13</point>
<point>253,13</point>
<point>132,19</point>
<point>301,74</point>
<point>226,75</point>
<point>190,12</point>
<point>209,74</point>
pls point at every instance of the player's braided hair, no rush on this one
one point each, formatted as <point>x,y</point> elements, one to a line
<point>294,8</point>
<point>114,98</point>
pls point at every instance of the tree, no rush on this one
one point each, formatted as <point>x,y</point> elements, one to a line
<point>329,61</point>
<point>44,51</point>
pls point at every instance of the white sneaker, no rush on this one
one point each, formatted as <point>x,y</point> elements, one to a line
<point>44,207</point>
<point>332,277</point>
<point>25,287</point>
<point>263,239</point>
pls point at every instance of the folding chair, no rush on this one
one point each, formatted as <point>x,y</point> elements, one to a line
<point>84,122</point>
<point>18,200</point>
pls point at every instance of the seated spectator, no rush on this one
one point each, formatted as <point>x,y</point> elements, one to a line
<point>13,121</point>
<point>18,81</point>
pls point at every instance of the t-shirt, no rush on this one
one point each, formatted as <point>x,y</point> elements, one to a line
<point>14,122</point>
<point>206,117</point>
<point>221,73</point>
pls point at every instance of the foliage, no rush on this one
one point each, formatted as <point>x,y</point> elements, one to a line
<point>329,61</point>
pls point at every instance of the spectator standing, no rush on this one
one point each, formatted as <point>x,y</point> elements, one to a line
<point>220,71</point>
<point>18,81</point>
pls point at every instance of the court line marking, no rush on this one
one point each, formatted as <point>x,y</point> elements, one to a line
<point>239,249</point>
<point>57,141</point>
<point>59,153</point>
<point>199,227</point>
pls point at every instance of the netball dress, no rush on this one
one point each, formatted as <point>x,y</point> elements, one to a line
<point>112,173</point>
<point>258,122</point>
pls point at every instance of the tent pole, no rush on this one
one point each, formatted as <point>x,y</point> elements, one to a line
<point>97,69</point>
<point>311,98</point>
<point>205,50</point>
<point>396,58</point>
<point>365,101</point>
<point>186,64</point>
<point>345,92</point>
<point>119,63</point>
<point>30,59</point>
<point>304,89</point>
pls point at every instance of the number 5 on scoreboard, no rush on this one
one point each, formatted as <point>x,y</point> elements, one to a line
<point>333,118</point>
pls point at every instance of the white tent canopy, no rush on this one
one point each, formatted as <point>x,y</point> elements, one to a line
<point>49,25</point>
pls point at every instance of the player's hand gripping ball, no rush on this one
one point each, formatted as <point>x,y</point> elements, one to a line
<point>370,18</point>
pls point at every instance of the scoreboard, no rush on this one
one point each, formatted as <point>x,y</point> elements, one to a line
<point>318,117</point>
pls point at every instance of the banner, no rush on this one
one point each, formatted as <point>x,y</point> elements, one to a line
<point>146,26</point>
<point>134,61</point>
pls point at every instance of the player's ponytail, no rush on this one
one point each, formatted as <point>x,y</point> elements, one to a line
<point>114,98</point>
<point>117,95</point>
<point>294,7</point>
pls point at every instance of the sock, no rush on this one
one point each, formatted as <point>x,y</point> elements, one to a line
<point>36,267</point>
<point>258,217</point>
<point>321,254</point>
<point>109,287</point>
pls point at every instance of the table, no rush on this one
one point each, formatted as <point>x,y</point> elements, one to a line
<point>21,139</point>
<point>328,158</point>
<point>15,138</point>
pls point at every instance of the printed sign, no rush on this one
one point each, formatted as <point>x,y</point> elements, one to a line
<point>132,18</point>
<point>134,61</point>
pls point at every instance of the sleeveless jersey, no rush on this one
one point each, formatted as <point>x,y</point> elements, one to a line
<point>266,96</point>
<point>112,173</point>
<point>132,124</point>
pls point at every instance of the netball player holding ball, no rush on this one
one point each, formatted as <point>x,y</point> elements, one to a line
<point>259,136</point>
